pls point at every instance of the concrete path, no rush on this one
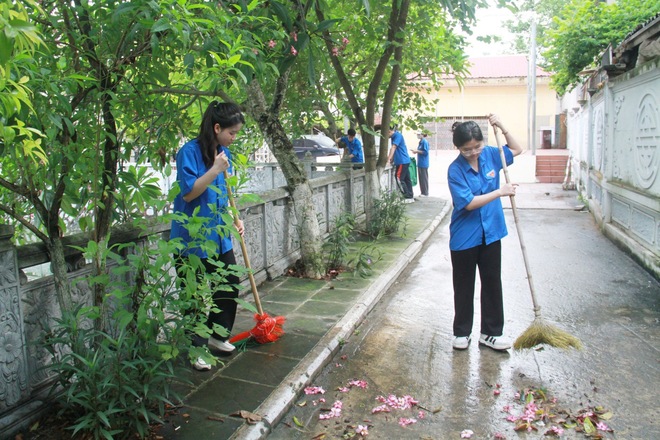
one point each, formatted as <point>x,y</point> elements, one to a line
<point>585,285</point>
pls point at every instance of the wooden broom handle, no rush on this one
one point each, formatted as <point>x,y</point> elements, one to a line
<point>234,214</point>
<point>537,308</point>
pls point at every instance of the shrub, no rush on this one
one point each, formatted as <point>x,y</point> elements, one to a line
<point>388,216</point>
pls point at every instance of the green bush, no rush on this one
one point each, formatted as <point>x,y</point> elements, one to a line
<point>114,361</point>
<point>388,216</point>
<point>336,245</point>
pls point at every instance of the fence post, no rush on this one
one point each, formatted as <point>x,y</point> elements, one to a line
<point>13,358</point>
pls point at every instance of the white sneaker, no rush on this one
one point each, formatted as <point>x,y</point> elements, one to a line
<point>201,365</point>
<point>494,342</point>
<point>408,200</point>
<point>216,344</point>
<point>461,342</point>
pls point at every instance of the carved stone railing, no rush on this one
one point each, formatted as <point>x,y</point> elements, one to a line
<point>28,306</point>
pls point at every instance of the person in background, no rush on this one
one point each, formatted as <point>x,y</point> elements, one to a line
<point>476,229</point>
<point>201,164</point>
<point>422,153</point>
<point>353,148</point>
<point>398,157</point>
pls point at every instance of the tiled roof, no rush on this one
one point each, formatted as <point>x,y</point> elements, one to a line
<point>501,66</point>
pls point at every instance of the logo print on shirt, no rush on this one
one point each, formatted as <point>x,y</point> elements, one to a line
<point>491,174</point>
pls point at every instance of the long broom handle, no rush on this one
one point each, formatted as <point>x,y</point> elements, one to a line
<point>234,213</point>
<point>537,308</point>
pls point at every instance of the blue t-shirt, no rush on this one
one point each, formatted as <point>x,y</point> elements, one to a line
<point>469,228</point>
<point>401,153</point>
<point>355,148</point>
<point>212,202</point>
<point>423,158</point>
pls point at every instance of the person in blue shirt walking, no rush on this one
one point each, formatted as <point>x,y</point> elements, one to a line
<point>201,164</point>
<point>353,148</point>
<point>399,158</point>
<point>422,153</point>
<point>476,229</point>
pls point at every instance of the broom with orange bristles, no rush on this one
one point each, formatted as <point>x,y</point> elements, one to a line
<point>540,331</point>
<point>267,328</point>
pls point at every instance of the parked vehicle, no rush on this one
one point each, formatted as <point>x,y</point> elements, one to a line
<point>317,145</point>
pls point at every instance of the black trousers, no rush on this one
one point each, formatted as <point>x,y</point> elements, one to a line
<point>224,296</point>
<point>488,258</point>
<point>403,180</point>
<point>423,174</point>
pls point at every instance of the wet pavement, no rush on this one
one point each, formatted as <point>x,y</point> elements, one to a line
<point>393,330</point>
<point>585,286</point>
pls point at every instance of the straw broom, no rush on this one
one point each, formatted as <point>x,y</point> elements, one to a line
<point>540,331</point>
<point>267,328</point>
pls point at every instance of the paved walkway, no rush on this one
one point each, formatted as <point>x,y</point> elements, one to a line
<point>267,379</point>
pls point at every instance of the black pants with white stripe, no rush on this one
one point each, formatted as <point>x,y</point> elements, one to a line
<point>488,258</point>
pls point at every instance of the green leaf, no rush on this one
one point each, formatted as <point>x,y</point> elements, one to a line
<point>298,422</point>
<point>161,25</point>
<point>6,48</point>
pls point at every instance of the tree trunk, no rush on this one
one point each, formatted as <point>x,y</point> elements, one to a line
<point>60,275</point>
<point>296,178</point>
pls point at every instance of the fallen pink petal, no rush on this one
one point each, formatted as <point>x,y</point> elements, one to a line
<point>314,390</point>
<point>381,408</point>
<point>602,426</point>
<point>362,430</point>
<point>500,436</point>
<point>467,433</point>
<point>405,421</point>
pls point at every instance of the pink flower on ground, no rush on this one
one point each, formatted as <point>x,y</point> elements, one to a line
<point>382,408</point>
<point>500,436</point>
<point>272,44</point>
<point>294,52</point>
<point>335,51</point>
<point>344,389</point>
<point>506,408</point>
<point>314,390</point>
<point>602,426</point>
<point>345,41</point>
<point>405,421</point>
<point>554,430</point>
<point>467,433</point>
<point>362,430</point>
<point>335,411</point>
<point>496,392</point>
<point>322,400</point>
<point>357,383</point>
<point>421,414</point>
<point>512,418</point>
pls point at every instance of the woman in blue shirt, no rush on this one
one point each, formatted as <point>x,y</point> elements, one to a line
<point>201,164</point>
<point>476,228</point>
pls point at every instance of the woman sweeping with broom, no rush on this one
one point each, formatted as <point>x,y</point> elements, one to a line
<point>202,164</point>
<point>476,228</point>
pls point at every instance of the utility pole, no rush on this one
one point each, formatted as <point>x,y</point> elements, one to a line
<point>532,84</point>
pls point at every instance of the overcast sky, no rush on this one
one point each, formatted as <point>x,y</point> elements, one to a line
<point>490,21</point>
